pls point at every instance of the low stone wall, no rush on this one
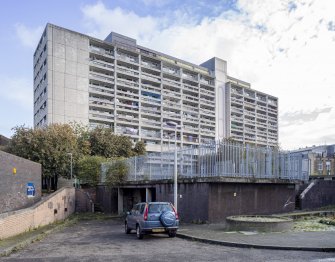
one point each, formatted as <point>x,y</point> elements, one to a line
<point>54,207</point>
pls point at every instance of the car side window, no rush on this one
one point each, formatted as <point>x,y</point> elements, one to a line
<point>135,208</point>
<point>142,208</point>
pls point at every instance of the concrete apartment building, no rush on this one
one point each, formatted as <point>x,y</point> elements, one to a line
<point>141,93</point>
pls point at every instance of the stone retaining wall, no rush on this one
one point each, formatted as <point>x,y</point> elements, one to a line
<point>52,208</point>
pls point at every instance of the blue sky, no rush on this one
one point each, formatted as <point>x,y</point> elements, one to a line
<point>284,48</point>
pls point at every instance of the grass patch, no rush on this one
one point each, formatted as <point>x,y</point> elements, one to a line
<point>311,223</point>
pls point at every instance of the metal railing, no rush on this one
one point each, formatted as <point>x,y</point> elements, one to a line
<point>220,159</point>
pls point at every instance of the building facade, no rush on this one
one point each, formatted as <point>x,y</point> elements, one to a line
<point>136,91</point>
<point>320,159</point>
<point>251,116</point>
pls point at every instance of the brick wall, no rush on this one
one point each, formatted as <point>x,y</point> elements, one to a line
<point>54,207</point>
<point>13,187</point>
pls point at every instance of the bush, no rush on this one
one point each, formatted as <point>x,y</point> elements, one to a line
<point>89,169</point>
<point>117,173</point>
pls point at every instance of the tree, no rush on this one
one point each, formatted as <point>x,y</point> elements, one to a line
<point>88,169</point>
<point>117,172</point>
<point>139,148</point>
<point>48,146</point>
<point>104,143</point>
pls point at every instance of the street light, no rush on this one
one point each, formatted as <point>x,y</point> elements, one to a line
<point>70,154</point>
<point>175,190</point>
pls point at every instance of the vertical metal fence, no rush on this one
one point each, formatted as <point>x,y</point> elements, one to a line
<point>225,159</point>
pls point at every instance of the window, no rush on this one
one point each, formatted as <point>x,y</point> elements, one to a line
<point>320,166</point>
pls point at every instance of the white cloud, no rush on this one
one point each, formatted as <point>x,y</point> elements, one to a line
<point>28,37</point>
<point>17,90</point>
<point>101,21</point>
<point>158,3</point>
<point>284,51</point>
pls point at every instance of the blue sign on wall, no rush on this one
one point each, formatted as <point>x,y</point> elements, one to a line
<point>30,189</point>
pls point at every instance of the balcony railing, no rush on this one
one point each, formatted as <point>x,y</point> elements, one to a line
<point>103,77</point>
<point>102,63</point>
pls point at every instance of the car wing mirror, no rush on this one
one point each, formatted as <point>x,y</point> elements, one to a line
<point>128,213</point>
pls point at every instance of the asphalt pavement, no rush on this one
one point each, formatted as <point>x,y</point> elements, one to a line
<point>105,240</point>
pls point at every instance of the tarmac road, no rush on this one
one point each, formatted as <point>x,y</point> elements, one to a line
<point>105,240</point>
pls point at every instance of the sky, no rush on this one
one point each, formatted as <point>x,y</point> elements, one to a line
<point>283,48</point>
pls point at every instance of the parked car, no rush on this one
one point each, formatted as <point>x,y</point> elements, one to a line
<point>151,218</point>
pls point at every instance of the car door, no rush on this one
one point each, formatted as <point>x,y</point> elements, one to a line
<point>132,217</point>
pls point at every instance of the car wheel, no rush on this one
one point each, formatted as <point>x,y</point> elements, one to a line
<point>172,234</point>
<point>126,228</point>
<point>139,233</point>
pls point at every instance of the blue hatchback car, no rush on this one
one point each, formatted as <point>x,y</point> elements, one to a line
<point>152,217</point>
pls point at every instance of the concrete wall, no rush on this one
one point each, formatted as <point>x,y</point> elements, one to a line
<point>206,201</point>
<point>13,187</point>
<point>55,207</point>
<point>227,199</point>
<point>192,199</point>
<point>107,199</point>
<point>68,60</point>
<point>320,195</point>
<point>85,199</point>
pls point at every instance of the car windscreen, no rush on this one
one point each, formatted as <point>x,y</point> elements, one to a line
<point>159,208</point>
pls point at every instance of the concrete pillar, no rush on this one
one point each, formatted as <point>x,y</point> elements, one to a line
<point>120,201</point>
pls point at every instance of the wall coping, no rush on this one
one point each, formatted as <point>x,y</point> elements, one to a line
<point>37,204</point>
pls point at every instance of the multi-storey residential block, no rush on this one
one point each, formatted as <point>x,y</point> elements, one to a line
<point>243,114</point>
<point>136,91</point>
<point>252,116</point>
<point>116,83</point>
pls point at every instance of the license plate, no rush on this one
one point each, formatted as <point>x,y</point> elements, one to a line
<point>155,230</point>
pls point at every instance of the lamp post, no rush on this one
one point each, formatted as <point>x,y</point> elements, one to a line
<point>175,185</point>
<point>70,154</point>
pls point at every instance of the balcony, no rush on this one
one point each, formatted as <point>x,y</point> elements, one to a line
<point>190,77</point>
<point>190,128</point>
<point>237,92</point>
<point>237,101</point>
<point>150,134</point>
<point>206,81</point>
<point>207,102</point>
<point>236,109</point>
<point>127,71</point>
<point>150,122</point>
<point>207,131</point>
<point>128,83</point>
<point>96,101</point>
<point>150,65</point>
<point>102,77</point>
<point>127,118</point>
<point>101,115</point>
<point>101,51</point>
<point>190,139</point>
<point>190,108</point>
<point>101,90</point>
<point>171,71</point>
<point>102,64</point>
<point>171,93</point>
<point>171,82</point>
<point>150,77</point>
<point>127,130</point>
<point>191,88</point>
<point>127,58</point>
